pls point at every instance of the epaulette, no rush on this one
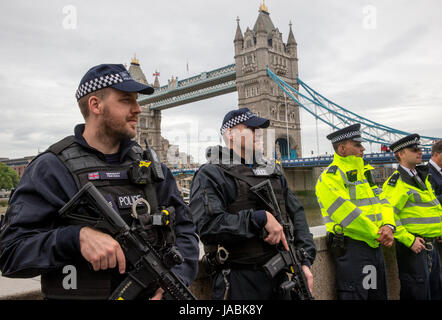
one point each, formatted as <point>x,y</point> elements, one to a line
<point>332,169</point>
<point>393,179</point>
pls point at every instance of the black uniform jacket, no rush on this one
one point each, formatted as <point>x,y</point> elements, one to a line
<point>29,242</point>
<point>436,181</point>
<point>211,192</point>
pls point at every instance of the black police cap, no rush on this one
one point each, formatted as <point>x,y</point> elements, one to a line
<point>244,116</point>
<point>352,132</point>
<point>110,75</point>
<point>412,140</point>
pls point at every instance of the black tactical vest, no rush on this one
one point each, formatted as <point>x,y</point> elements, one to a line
<point>255,250</point>
<point>113,182</point>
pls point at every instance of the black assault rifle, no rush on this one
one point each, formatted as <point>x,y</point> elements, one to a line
<point>149,270</point>
<point>284,260</point>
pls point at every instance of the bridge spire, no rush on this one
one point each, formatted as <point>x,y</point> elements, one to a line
<point>135,70</point>
<point>263,7</point>
<point>291,39</point>
<point>135,61</point>
<point>156,83</point>
<point>238,34</point>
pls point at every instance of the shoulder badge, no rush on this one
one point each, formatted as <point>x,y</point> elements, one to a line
<point>352,175</point>
<point>278,168</point>
<point>393,179</point>
<point>332,169</point>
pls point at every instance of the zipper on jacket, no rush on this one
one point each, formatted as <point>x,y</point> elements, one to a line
<point>206,202</point>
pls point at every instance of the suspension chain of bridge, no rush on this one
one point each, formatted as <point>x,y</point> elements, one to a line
<point>254,74</point>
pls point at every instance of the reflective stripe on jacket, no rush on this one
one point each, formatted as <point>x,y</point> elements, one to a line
<point>416,211</point>
<point>347,198</point>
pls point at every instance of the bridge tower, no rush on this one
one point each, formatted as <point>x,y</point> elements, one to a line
<point>256,49</point>
<point>149,126</point>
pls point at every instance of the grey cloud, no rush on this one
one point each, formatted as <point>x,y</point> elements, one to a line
<point>41,63</point>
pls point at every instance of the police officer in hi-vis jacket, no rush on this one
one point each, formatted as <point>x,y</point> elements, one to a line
<point>356,219</point>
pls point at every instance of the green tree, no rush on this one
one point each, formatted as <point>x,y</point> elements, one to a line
<point>8,177</point>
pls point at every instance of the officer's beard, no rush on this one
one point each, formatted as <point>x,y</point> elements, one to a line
<point>112,130</point>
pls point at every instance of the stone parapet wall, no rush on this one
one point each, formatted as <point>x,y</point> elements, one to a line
<point>323,272</point>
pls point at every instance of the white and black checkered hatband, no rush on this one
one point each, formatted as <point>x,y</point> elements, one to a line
<point>97,84</point>
<point>415,141</point>
<point>234,121</point>
<point>345,136</point>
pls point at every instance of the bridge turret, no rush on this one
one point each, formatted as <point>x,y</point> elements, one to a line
<point>261,47</point>
<point>291,42</point>
<point>292,50</point>
<point>136,72</point>
<point>239,39</point>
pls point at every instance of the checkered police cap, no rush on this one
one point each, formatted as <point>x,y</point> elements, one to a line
<point>245,116</point>
<point>346,136</point>
<point>352,132</point>
<point>406,142</point>
<point>109,75</point>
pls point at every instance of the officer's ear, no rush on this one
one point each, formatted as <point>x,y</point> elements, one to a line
<point>340,147</point>
<point>94,104</point>
<point>228,137</point>
<point>96,100</point>
<point>398,155</point>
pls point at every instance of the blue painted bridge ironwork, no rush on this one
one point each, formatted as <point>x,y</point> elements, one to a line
<point>372,158</point>
<point>324,161</point>
<point>203,86</point>
<point>223,80</point>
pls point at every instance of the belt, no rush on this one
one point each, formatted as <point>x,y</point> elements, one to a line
<point>242,266</point>
<point>426,239</point>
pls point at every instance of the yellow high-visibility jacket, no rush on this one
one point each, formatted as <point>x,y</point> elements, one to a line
<point>416,208</point>
<point>348,200</point>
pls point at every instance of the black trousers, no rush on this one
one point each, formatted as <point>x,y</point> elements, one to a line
<point>247,284</point>
<point>360,272</point>
<point>420,274</point>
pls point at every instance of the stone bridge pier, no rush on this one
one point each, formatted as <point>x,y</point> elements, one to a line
<point>302,178</point>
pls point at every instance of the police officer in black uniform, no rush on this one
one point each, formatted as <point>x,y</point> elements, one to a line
<point>230,219</point>
<point>435,169</point>
<point>34,241</point>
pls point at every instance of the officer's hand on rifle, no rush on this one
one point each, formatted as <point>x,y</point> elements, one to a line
<point>386,237</point>
<point>275,230</point>
<point>158,294</point>
<point>418,245</point>
<point>101,250</point>
<point>309,276</point>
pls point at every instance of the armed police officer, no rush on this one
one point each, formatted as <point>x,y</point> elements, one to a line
<point>34,241</point>
<point>356,220</point>
<point>239,232</point>
<point>418,216</point>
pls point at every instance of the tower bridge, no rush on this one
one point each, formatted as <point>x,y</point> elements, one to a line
<point>265,75</point>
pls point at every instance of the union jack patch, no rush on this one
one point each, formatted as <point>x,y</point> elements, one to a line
<point>93,176</point>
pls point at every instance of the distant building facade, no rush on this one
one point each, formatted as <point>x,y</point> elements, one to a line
<point>18,165</point>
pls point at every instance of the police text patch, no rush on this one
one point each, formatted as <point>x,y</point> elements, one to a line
<point>126,201</point>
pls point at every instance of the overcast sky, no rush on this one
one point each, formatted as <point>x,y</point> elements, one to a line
<point>380,59</point>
